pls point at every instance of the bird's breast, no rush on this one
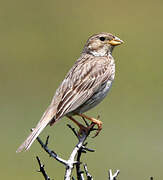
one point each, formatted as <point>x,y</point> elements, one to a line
<point>112,68</point>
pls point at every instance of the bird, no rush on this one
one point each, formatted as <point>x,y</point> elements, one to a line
<point>86,84</point>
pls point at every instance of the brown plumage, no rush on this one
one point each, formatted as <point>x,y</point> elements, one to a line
<point>85,85</point>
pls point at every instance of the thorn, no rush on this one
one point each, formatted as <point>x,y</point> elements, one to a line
<point>47,140</point>
<point>88,149</point>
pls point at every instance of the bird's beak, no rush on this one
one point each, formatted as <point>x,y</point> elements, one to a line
<point>116,41</point>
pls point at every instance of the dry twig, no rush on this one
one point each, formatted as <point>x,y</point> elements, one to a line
<point>42,170</point>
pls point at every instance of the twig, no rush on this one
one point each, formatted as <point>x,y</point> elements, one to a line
<point>42,170</point>
<point>89,176</point>
<point>50,152</point>
<point>113,176</point>
<point>73,130</point>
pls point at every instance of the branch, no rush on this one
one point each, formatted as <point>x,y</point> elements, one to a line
<point>50,152</point>
<point>79,172</point>
<point>79,148</point>
<point>113,176</point>
<point>89,177</point>
<point>42,170</point>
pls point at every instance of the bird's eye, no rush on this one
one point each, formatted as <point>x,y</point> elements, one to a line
<point>102,38</point>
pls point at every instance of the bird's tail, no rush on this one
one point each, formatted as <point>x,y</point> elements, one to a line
<point>46,118</point>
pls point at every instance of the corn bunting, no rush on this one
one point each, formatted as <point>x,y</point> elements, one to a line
<point>85,85</point>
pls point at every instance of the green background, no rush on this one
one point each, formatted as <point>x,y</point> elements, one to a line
<point>39,42</point>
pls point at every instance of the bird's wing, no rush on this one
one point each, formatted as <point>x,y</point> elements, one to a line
<point>85,77</point>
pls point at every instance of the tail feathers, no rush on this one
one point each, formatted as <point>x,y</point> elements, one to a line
<point>28,142</point>
<point>46,118</point>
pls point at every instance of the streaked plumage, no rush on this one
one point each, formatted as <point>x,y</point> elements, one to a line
<point>85,85</point>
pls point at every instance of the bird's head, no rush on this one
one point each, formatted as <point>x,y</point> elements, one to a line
<point>101,44</point>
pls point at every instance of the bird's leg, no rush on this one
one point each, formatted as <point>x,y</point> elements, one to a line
<point>81,127</point>
<point>95,121</point>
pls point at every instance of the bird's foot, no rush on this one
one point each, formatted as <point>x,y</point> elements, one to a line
<point>86,129</point>
<point>94,122</point>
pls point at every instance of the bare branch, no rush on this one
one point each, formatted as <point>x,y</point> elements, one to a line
<point>42,170</point>
<point>113,176</point>
<point>79,148</point>
<point>79,172</point>
<point>71,160</point>
<point>73,130</point>
<point>89,177</point>
<point>50,152</point>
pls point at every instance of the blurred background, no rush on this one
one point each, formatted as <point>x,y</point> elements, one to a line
<point>39,42</point>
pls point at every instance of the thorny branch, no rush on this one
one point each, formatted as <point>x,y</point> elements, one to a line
<point>113,176</point>
<point>77,151</point>
<point>89,176</point>
<point>83,149</point>
<point>50,152</point>
<point>42,170</point>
